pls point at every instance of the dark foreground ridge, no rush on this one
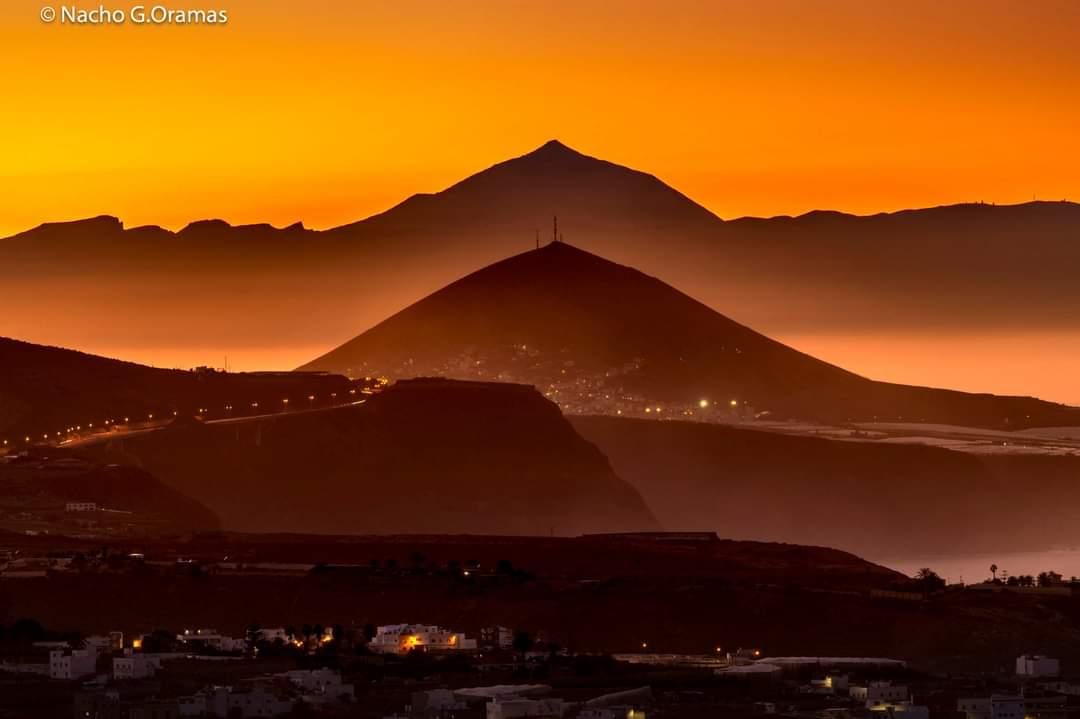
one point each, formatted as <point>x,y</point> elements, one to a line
<point>424,456</point>
<point>877,499</point>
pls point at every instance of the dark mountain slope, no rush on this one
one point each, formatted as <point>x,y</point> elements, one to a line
<point>878,500</point>
<point>48,389</point>
<point>43,485</point>
<point>426,456</point>
<point>560,315</point>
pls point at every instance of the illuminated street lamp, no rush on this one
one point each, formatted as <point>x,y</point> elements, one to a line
<point>703,403</point>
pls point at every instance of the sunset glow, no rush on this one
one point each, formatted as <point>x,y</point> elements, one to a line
<point>331,111</point>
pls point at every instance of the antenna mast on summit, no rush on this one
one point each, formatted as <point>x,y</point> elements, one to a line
<point>538,238</point>
<point>554,228</point>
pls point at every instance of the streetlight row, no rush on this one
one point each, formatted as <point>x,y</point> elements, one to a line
<point>150,417</point>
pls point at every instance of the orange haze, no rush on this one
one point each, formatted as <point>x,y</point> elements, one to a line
<point>330,110</point>
<point>327,111</point>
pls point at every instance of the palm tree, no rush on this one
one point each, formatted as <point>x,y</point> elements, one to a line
<point>993,570</point>
<point>930,580</point>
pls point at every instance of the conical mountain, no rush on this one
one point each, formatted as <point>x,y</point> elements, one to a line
<point>602,337</point>
<point>524,192</point>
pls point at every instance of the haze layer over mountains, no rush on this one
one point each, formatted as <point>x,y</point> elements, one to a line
<point>601,338</point>
<point>993,285</point>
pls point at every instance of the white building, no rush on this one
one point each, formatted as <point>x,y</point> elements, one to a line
<point>996,706</point>
<point>615,712</point>
<point>829,684</point>
<point>254,700</point>
<point>321,686</point>
<point>404,638</point>
<point>211,639</point>
<point>72,664</point>
<point>193,705</point>
<point>1036,665</point>
<point>515,707</point>
<point>135,666</point>
<point>81,507</point>
<point>257,701</point>
<point>877,694</point>
<point>111,642</point>
<point>902,710</point>
<point>435,702</point>
<point>272,634</point>
<point>314,680</point>
<point>497,637</point>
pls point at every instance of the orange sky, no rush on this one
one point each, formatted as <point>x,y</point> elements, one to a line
<point>328,110</point>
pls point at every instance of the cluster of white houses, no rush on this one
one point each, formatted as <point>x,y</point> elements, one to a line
<point>405,638</point>
<point>72,663</point>
<point>891,699</point>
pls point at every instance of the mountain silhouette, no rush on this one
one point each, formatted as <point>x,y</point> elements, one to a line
<point>962,268</point>
<point>47,390</point>
<point>522,194</point>
<point>425,456</point>
<point>566,319</point>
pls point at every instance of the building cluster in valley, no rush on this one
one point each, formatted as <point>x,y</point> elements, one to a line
<point>425,671</point>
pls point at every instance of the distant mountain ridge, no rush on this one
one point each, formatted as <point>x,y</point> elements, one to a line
<point>601,336</point>
<point>970,267</point>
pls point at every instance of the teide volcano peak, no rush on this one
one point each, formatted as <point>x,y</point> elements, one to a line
<point>605,338</point>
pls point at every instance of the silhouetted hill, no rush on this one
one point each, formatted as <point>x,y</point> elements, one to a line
<point>136,501</point>
<point>425,456</point>
<point>587,193</point>
<point>970,267</point>
<point>588,594</point>
<point>48,389</point>
<point>600,335</point>
<point>878,500</point>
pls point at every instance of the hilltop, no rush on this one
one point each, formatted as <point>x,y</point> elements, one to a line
<point>46,390</point>
<point>597,334</point>
<point>429,456</point>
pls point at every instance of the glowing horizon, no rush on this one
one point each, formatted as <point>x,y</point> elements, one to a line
<point>329,114</point>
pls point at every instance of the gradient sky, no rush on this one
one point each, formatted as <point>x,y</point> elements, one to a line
<point>326,111</point>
